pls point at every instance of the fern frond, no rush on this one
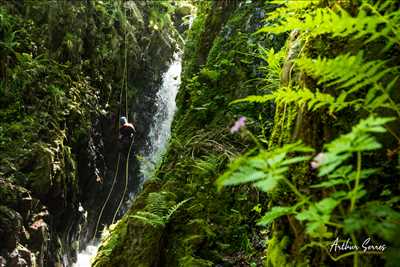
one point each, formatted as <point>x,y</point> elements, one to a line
<point>359,139</point>
<point>159,213</point>
<point>265,170</point>
<point>149,218</point>
<point>174,208</point>
<point>303,97</point>
<point>157,203</point>
<point>294,4</point>
<point>345,70</point>
<point>274,68</point>
<point>255,99</point>
<point>290,6</point>
<point>366,24</point>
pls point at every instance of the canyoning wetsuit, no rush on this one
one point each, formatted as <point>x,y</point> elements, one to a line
<point>126,132</point>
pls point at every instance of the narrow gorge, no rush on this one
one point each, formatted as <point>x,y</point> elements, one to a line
<point>266,133</point>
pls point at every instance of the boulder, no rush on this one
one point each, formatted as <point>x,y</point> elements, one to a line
<point>10,228</point>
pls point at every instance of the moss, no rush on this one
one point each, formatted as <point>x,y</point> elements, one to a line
<point>276,251</point>
<point>10,194</point>
<point>192,261</point>
<point>60,70</point>
<point>285,116</point>
<point>130,243</point>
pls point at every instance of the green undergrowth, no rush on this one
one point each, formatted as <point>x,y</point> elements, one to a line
<point>63,65</point>
<point>209,228</point>
<point>318,157</point>
<point>332,156</point>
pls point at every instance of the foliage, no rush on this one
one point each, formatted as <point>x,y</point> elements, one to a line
<point>347,73</point>
<point>274,68</point>
<point>305,207</point>
<point>336,170</point>
<point>302,97</point>
<point>265,170</point>
<point>361,83</point>
<point>63,65</point>
<point>206,233</point>
<point>339,23</point>
<point>343,80</point>
<point>159,210</point>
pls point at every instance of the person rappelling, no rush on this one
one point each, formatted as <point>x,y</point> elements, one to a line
<point>126,134</point>
<point>125,142</point>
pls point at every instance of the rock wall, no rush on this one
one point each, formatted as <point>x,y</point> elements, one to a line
<point>63,68</point>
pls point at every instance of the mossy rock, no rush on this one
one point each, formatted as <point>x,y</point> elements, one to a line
<point>194,262</point>
<point>131,243</point>
<point>10,194</point>
<point>183,10</point>
<point>149,186</point>
<point>10,228</point>
<point>41,176</point>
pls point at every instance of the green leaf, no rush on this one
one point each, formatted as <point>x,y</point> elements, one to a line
<point>267,185</point>
<point>327,205</point>
<point>243,175</point>
<point>264,169</point>
<point>333,160</point>
<point>275,213</point>
<point>310,214</point>
<point>254,99</point>
<point>330,183</point>
<point>358,140</point>
<point>377,218</point>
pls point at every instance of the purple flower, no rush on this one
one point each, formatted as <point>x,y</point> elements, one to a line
<point>241,122</point>
<point>318,160</point>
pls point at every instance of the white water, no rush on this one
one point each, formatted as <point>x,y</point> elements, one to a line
<point>157,139</point>
<point>160,131</point>
<point>85,257</point>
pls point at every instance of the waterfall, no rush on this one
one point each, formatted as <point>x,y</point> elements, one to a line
<point>157,139</point>
<point>85,256</point>
<point>160,130</point>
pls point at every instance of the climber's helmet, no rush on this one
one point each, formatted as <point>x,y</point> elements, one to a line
<point>123,120</point>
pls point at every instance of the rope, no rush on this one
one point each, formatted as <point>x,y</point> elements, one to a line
<point>124,86</point>
<point>125,74</point>
<point>126,112</point>
<point>108,197</point>
<point>126,66</point>
<point>126,182</point>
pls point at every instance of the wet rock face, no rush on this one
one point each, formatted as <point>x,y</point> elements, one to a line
<point>22,226</point>
<point>71,161</point>
<point>21,257</point>
<point>97,157</point>
<point>10,228</point>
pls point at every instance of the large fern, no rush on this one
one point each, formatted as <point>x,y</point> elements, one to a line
<point>349,73</point>
<point>303,97</point>
<point>274,69</point>
<point>339,23</point>
<point>158,202</point>
<point>159,209</point>
<point>345,71</point>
